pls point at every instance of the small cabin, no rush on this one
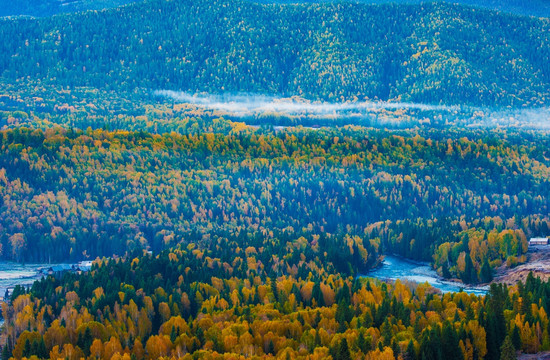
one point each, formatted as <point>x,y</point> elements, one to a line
<point>538,241</point>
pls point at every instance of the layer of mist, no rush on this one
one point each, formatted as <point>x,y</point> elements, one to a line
<point>245,104</point>
<point>535,118</point>
<point>270,110</point>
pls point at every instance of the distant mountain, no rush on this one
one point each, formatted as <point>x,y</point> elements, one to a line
<point>433,53</point>
<point>41,8</point>
<point>538,8</point>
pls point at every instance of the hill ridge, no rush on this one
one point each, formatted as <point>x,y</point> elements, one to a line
<point>433,53</point>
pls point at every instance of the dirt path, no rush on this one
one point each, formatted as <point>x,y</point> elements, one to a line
<point>538,261</point>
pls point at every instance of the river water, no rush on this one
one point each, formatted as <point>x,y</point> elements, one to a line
<point>13,274</point>
<point>394,268</point>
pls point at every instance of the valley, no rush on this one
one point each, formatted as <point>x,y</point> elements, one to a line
<point>272,180</point>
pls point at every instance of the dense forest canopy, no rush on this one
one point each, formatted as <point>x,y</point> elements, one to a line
<point>42,8</point>
<point>435,52</point>
<point>539,8</point>
<point>189,303</point>
<point>431,195</point>
<point>214,239</point>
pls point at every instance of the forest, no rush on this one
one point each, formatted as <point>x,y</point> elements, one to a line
<point>429,53</point>
<point>187,303</point>
<point>464,200</point>
<point>216,235</point>
<point>43,8</point>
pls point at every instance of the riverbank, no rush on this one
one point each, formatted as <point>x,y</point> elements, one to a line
<point>538,262</point>
<point>13,274</point>
<point>539,356</point>
<point>394,267</point>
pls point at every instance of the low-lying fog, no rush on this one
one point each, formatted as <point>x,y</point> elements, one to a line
<point>251,105</point>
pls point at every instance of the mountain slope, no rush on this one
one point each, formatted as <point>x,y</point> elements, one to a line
<point>39,8</point>
<point>424,53</point>
<point>539,8</point>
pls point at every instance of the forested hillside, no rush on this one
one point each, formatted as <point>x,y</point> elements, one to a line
<point>188,304</point>
<point>435,53</point>
<point>540,8</point>
<point>214,239</point>
<point>430,196</point>
<point>43,8</point>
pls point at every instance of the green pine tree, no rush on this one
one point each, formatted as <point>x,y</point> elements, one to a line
<point>516,338</point>
<point>507,350</point>
<point>386,332</point>
<point>486,274</point>
<point>318,341</point>
<point>469,275</point>
<point>343,351</point>
<point>271,348</point>
<point>173,334</point>
<point>411,353</point>
<point>450,343</point>
<point>362,343</point>
<point>27,348</point>
<point>6,353</point>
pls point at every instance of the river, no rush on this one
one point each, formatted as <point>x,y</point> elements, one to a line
<point>13,274</point>
<point>394,268</point>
